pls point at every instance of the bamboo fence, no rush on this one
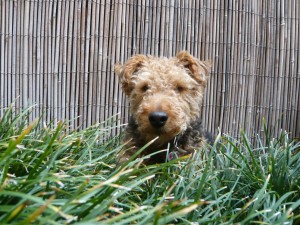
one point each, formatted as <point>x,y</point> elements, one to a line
<point>59,56</point>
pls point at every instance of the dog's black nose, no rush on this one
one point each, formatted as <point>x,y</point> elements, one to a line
<point>158,119</point>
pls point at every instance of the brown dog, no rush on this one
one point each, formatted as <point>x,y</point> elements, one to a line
<point>165,96</point>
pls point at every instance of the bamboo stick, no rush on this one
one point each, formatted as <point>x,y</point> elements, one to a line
<point>94,58</point>
<point>129,49</point>
<point>296,131</point>
<point>87,74</point>
<point>114,56</point>
<point>10,75</point>
<point>13,55</point>
<point>63,42</point>
<point>80,66</point>
<point>99,53</point>
<point>100,114</point>
<point>164,27</point>
<point>273,69</point>
<point>280,69</point>
<point>295,60</point>
<point>219,82</point>
<point>257,67</point>
<point>75,69</point>
<point>56,78</point>
<point>157,28</point>
<point>39,58</point>
<point>104,80</point>
<point>2,56</point>
<point>33,67</point>
<point>46,63</point>
<point>267,70</point>
<point>92,71</point>
<point>124,46</point>
<point>233,74</point>
<point>81,63</point>
<point>109,95</point>
<point>31,56</point>
<point>19,58</point>
<point>120,48</point>
<point>70,65</point>
<point>286,69</point>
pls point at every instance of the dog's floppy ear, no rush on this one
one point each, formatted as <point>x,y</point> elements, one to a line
<point>125,71</point>
<point>199,69</point>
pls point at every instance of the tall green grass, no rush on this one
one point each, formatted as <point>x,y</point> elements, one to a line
<point>51,176</point>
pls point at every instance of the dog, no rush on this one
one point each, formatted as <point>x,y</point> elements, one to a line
<point>165,96</point>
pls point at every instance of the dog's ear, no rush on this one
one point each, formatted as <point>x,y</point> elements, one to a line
<point>126,71</point>
<point>199,70</point>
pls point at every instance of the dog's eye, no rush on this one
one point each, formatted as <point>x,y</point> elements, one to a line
<point>180,88</point>
<point>145,88</point>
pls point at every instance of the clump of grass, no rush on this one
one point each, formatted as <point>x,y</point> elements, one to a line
<point>51,176</point>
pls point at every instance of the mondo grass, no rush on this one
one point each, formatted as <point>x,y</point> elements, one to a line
<point>51,176</point>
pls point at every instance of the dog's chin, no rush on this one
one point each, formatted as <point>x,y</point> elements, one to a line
<point>161,137</point>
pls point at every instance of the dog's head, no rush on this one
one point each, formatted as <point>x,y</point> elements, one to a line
<point>165,94</point>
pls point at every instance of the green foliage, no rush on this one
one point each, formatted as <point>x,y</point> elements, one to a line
<point>51,176</point>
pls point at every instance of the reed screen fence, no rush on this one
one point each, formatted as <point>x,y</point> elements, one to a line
<point>59,56</point>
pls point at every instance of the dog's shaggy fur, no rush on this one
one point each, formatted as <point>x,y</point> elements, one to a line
<point>165,96</point>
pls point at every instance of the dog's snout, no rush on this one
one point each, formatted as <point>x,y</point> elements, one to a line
<point>158,119</point>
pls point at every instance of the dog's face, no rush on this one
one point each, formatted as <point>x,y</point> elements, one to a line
<point>165,95</point>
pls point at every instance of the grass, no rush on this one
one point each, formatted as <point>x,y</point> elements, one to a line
<point>51,176</point>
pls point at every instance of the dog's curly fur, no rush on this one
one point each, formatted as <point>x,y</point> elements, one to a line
<point>165,96</point>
